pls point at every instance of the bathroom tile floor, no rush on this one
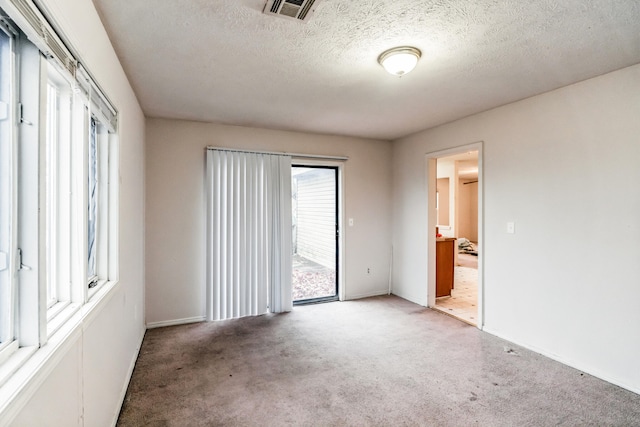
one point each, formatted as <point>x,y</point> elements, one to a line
<point>463,302</point>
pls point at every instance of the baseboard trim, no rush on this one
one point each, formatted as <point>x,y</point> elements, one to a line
<point>564,361</point>
<point>176,322</point>
<point>367,295</point>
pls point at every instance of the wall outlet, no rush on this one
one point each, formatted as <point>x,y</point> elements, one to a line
<point>368,271</point>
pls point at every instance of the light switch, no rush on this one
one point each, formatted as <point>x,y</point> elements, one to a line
<point>350,222</point>
<point>511,227</point>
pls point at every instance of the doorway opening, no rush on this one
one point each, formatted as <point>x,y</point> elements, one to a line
<point>315,233</point>
<point>455,230</point>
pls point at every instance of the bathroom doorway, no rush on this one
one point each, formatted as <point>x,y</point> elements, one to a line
<point>455,233</point>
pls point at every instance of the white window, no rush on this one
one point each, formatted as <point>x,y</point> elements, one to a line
<point>58,192</point>
<point>58,143</point>
<point>22,318</point>
<point>53,129</point>
<point>7,282</point>
<point>100,193</point>
<point>92,211</point>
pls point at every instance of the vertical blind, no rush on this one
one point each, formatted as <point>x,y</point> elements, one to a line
<point>248,234</point>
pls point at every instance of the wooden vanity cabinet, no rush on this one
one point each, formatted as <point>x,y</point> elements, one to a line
<point>445,259</point>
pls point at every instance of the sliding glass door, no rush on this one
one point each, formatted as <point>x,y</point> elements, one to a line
<point>314,202</point>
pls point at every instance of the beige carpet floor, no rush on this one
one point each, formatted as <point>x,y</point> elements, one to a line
<point>375,362</point>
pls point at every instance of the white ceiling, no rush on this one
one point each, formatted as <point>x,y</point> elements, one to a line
<point>225,61</point>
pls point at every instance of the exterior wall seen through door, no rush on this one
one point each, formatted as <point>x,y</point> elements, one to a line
<point>314,199</point>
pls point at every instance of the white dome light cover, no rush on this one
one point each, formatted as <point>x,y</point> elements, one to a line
<point>400,60</point>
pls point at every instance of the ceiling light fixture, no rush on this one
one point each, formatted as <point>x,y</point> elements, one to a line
<point>400,60</point>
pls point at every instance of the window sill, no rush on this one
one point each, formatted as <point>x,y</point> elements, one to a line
<point>63,312</point>
<point>28,367</point>
<point>14,362</point>
<point>6,350</point>
<point>55,309</point>
<point>93,291</point>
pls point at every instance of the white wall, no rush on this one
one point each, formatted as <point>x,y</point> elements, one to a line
<point>175,209</point>
<point>86,385</point>
<point>567,283</point>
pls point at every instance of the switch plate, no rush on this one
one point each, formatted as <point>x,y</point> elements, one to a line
<point>511,227</point>
<point>350,222</point>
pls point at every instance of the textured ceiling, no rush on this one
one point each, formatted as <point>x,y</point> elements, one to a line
<point>225,61</point>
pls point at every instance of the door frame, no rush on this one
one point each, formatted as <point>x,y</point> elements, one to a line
<point>338,166</point>
<point>431,180</point>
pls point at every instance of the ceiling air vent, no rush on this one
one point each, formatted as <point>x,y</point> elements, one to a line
<point>300,10</point>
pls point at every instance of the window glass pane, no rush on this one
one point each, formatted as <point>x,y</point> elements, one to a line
<point>93,201</point>
<point>6,76</point>
<point>57,126</point>
<point>53,129</point>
